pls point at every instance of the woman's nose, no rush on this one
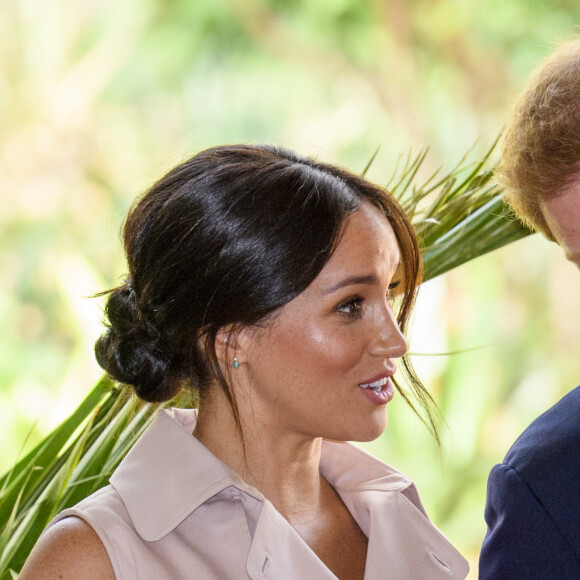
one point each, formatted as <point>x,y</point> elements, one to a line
<point>388,340</point>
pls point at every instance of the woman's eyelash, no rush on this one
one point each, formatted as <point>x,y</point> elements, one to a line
<point>392,286</point>
<point>350,306</point>
<point>353,305</point>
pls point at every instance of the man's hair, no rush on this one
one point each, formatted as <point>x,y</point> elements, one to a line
<point>541,148</point>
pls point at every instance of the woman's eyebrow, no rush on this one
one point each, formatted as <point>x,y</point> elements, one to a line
<point>351,281</point>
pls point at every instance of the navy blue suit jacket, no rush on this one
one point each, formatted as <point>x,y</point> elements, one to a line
<point>533,501</point>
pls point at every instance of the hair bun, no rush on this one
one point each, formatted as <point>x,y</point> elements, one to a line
<point>132,350</point>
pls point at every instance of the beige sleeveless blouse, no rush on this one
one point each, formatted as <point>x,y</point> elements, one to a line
<point>174,511</point>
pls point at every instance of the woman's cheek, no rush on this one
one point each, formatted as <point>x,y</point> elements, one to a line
<point>338,347</point>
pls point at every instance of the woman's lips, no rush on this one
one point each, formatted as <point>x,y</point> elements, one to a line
<point>380,391</point>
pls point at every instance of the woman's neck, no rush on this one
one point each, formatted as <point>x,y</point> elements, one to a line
<point>282,466</point>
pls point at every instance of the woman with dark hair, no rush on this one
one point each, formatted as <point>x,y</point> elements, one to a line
<point>266,282</point>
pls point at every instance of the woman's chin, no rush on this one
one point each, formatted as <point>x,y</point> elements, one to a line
<point>370,431</point>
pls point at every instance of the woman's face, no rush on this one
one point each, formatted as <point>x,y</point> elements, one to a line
<point>322,368</point>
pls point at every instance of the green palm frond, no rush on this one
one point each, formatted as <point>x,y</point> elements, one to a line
<point>458,216</point>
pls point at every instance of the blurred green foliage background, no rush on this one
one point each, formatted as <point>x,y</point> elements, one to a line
<point>98,98</point>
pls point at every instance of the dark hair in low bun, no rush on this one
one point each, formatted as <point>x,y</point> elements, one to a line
<point>132,350</point>
<point>225,239</point>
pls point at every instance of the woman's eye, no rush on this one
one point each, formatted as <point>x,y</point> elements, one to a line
<point>350,306</point>
<point>392,286</point>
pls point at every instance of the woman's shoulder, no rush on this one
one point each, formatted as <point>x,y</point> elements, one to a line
<point>76,543</point>
<point>69,549</point>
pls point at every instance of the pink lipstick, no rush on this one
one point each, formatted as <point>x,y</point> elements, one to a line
<point>379,391</point>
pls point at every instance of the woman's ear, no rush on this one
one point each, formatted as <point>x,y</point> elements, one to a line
<point>231,346</point>
<point>225,345</point>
